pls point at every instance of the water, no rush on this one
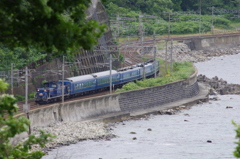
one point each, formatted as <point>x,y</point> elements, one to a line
<point>181,136</point>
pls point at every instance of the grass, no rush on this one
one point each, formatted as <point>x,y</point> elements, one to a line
<point>180,71</point>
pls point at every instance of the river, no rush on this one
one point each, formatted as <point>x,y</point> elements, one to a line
<point>203,132</point>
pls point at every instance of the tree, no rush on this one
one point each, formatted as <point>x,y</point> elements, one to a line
<point>11,126</point>
<point>237,150</point>
<point>53,26</point>
<point>152,7</point>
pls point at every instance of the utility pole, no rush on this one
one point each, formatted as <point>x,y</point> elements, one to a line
<point>26,89</point>
<point>212,19</point>
<point>166,65</point>
<point>169,19</point>
<point>118,31</point>
<point>155,51</point>
<point>63,79</point>
<point>12,65</point>
<point>110,66</point>
<point>171,55</point>
<point>26,106</point>
<point>200,19</point>
<point>141,31</point>
<point>238,9</point>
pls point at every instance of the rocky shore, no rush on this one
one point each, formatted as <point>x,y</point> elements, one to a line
<point>181,53</point>
<point>73,132</point>
<point>219,86</point>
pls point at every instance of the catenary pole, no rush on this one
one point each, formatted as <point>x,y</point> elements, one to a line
<point>63,79</point>
<point>110,66</point>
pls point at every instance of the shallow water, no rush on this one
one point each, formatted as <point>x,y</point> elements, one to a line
<point>181,136</point>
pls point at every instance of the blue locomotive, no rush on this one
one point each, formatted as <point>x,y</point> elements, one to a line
<point>87,84</point>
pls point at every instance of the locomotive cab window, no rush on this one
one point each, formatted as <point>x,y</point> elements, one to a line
<point>46,85</point>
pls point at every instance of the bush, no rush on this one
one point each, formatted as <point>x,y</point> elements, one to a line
<point>180,71</point>
<point>19,98</point>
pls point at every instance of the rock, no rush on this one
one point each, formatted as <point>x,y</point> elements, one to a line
<point>134,138</point>
<point>149,129</point>
<point>229,107</point>
<point>132,132</point>
<point>209,141</point>
<point>169,113</point>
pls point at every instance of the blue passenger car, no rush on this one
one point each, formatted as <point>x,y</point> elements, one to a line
<point>149,71</point>
<point>80,84</point>
<point>130,75</point>
<point>103,79</point>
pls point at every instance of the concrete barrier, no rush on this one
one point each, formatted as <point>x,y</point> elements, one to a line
<point>87,108</point>
<point>75,110</point>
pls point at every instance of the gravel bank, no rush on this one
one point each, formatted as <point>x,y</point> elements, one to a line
<point>72,132</point>
<point>181,53</point>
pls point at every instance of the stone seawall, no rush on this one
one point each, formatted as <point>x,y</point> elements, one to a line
<point>80,110</point>
<point>159,95</point>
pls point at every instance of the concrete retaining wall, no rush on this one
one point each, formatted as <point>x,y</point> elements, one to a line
<point>219,41</point>
<point>123,102</point>
<point>159,95</point>
<point>75,111</point>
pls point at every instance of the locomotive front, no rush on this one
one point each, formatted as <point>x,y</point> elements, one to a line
<point>47,93</point>
<point>42,95</point>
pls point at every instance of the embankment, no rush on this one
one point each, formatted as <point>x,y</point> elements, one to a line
<point>121,104</point>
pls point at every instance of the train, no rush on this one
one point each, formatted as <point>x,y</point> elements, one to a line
<point>91,83</point>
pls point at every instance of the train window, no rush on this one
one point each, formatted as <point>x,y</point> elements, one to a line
<point>46,85</point>
<point>54,85</point>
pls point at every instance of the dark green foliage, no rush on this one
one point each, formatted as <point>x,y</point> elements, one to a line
<point>19,98</point>
<point>19,56</point>
<point>11,126</point>
<point>56,27</point>
<point>152,7</point>
<point>237,149</point>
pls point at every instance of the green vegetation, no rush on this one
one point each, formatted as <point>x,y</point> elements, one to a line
<point>20,98</point>
<point>11,126</point>
<point>53,29</point>
<point>180,71</point>
<point>157,7</point>
<point>46,25</point>
<point>41,29</point>
<point>19,56</point>
<point>179,23</point>
<point>237,150</point>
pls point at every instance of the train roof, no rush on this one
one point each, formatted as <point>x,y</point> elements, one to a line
<point>104,73</point>
<point>132,69</point>
<point>79,78</point>
<point>149,64</point>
